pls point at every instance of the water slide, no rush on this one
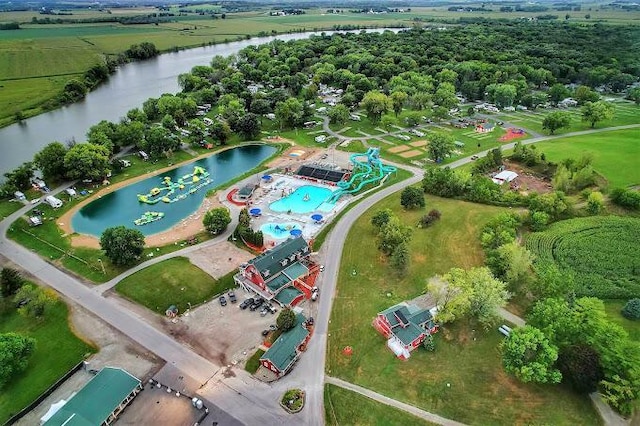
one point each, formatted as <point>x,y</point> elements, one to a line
<point>364,172</point>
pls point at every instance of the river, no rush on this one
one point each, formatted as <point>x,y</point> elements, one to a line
<point>127,88</point>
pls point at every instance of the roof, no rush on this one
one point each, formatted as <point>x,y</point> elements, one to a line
<point>292,272</point>
<point>504,176</point>
<point>284,350</point>
<point>93,404</point>
<point>287,295</point>
<point>246,190</point>
<point>411,316</point>
<point>272,262</point>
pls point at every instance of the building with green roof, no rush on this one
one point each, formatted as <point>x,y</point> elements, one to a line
<point>287,266</point>
<point>284,352</point>
<point>99,402</point>
<point>405,326</point>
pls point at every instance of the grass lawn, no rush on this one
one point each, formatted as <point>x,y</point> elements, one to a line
<point>57,350</point>
<point>613,308</point>
<point>615,154</point>
<point>253,363</point>
<point>8,207</point>
<point>173,282</point>
<point>343,407</point>
<point>471,366</point>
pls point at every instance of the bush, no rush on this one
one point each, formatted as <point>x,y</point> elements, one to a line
<point>429,219</point>
<point>412,198</point>
<point>627,198</point>
<point>631,310</point>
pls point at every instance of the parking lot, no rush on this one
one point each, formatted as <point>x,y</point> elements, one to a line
<point>226,335</point>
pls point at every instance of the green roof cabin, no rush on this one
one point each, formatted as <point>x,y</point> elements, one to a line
<point>282,355</point>
<point>98,403</point>
<point>405,326</point>
<point>286,266</point>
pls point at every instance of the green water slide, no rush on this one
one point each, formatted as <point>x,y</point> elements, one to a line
<point>364,172</point>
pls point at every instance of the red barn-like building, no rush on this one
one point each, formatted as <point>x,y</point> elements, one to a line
<point>405,326</point>
<point>284,273</point>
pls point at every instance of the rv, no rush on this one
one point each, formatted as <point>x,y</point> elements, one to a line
<point>53,201</point>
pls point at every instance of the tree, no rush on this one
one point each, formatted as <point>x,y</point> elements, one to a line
<point>551,281</point>
<point>558,92</point>
<point>400,258</point>
<point>398,99</point>
<point>88,161</point>
<point>593,112</point>
<point>50,161</point>
<point>339,114</point>
<point>634,95</point>
<point>73,90</point>
<point>515,264</point>
<point>286,319</point>
<point>580,365</point>
<point>248,126</point>
<point>15,351</point>
<point>381,218</point>
<point>10,282</point>
<point>392,234</point>
<point>595,203</point>
<point>290,113</point>
<point>556,120</point>
<point>412,198</point>
<point>197,129</point>
<point>220,131</point>
<point>19,179</point>
<point>128,134</point>
<point>216,220</point>
<point>38,300</point>
<point>630,311</point>
<point>528,355</point>
<point>584,94</point>
<point>123,246</point>
<point>538,221</point>
<point>440,146</point>
<point>504,95</point>
<point>158,141</point>
<point>376,104</point>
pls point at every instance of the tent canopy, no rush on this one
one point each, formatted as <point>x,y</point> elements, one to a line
<point>317,217</point>
<point>255,211</point>
<point>296,232</point>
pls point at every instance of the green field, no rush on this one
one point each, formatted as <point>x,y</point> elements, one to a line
<point>465,357</point>
<point>625,113</point>
<point>601,251</point>
<point>343,407</point>
<point>174,281</point>
<point>57,351</point>
<point>615,154</point>
<point>613,308</point>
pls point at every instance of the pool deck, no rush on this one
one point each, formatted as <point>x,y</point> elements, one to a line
<point>269,192</point>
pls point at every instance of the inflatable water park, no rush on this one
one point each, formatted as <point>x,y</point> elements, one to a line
<point>148,217</point>
<point>170,192</point>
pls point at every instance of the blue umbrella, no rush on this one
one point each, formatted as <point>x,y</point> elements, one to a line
<point>317,217</point>
<point>255,212</point>
<point>296,232</point>
<point>266,177</point>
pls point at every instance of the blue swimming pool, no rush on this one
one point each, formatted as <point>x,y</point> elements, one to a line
<point>306,199</point>
<point>279,230</point>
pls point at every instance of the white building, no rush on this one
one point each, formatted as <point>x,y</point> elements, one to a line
<point>504,176</point>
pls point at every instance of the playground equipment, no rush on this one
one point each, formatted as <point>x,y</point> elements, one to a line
<point>363,173</point>
<point>148,217</point>
<point>171,192</point>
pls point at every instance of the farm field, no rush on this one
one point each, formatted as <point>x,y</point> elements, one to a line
<point>615,154</point>
<point>465,357</point>
<point>48,363</point>
<point>625,113</point>
<point>343,407</point>
<point>601,251</point>
<point>174,281</point>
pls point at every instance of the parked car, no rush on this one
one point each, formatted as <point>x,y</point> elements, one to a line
<point>248,302</point>
<point>474,157</point>
<point>223,301</point>
<point>264,311</point>
<point>272,309</point>
<point>265,332</point>
<point>273,327</point>
<point>232,297</point>
<point>255,305</point>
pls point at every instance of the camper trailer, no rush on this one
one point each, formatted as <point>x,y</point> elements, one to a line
<point>53,201</point>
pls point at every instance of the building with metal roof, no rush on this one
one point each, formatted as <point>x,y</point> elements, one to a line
<point>285,267</point>
<point>284,352</point>
<point>99,402</point>
<point>405,326</point>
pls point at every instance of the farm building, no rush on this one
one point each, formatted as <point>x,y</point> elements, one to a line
<point>405,326</point>
<point>285,351</point>
<point>284,273</point>
<point>99,402</point>
<point>504,176</point>
<point>485,128</point>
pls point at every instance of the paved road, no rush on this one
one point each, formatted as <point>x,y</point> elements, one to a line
<point>425,415</point>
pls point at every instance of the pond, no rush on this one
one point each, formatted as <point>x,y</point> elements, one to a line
<point>122,207</point>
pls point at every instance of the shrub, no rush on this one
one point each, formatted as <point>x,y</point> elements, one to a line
<point>631,309</point>
<point>412,198</point>
<point>627,198</point>
<point>429,219</point>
